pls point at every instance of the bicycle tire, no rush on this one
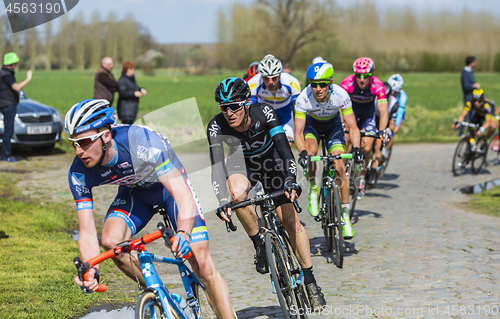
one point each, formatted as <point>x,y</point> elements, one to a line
<point>205,311</point>
<point>461,157</point>
<point>296,268</point>
<point>336,225</point>
<point>325,219</point>
<point>353,187</point>
<point>493,153</point>
<point>479,156</point>
<point>147,302</point>
<point>281,277</point>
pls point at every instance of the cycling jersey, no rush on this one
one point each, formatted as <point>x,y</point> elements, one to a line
<point>250,149</point>
<point>282,100</point>
<point>365,101</point>
<point>323,118</point>
<point>392,108</point>
<point>402,100</point>
<point>141,157</point>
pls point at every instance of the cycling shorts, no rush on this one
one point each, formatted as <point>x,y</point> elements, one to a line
<point>268,169</point>
<point>366,123</point>
<point>285,116</point>
<point>135,207</point>
<point>331,129</point>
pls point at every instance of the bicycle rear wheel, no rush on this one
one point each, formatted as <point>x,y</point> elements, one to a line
<point>149,307</point>
<point>493,153</point>
<point>461,157</point>
<point>479,156</point>
<point>204,310</point>
<point>336,225</point>
<point>281,277</point>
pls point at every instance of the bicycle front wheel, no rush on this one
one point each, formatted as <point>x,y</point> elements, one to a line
<point>325,218</point>
<point>204,309</point>
<point>461,157</point>
<point>336,225</point>
<point>354,178</point>
<point>149,307</point>
<point>479,156</point>
<point>281,277</point>
<point>493,153</point>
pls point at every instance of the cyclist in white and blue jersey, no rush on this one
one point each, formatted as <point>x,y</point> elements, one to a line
<point>317,112</point>
<point>396,82</point>
<point>277,89</point>
<point>148,173</point>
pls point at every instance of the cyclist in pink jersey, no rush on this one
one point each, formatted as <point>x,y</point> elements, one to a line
<point>367,92</point>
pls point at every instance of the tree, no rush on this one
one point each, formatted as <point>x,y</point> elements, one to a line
<point>32,42</point>
<point>48,45</point>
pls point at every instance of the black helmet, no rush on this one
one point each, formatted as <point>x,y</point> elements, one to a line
<point>388,88</point>
<point>232,90</point>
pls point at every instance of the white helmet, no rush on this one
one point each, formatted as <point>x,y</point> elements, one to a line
<point>396,82</point>
<point>318,59</point>
<point>270,66</point>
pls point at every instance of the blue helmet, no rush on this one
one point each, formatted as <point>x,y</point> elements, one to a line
<point>87,115</point>
<point>320,72</point>
<point>232,90</point>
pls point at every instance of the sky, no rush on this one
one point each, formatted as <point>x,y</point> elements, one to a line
<point>194,21</point>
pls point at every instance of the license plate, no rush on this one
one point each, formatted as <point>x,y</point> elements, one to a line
<point>32,130</point>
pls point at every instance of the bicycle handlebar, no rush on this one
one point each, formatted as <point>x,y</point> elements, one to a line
<point>83,268</point>
<point>332,157</point>
<point>472,125</point>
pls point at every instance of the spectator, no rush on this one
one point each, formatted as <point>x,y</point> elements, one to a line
<point>105,84</point>
<point>9,98</point>
<point>130,92</point>
<point>468,82</point>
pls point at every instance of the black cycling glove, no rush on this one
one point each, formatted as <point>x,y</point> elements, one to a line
<point>304,159</point>
<point>223,205</point>
<point>291,186</point>
<point>357,154</point>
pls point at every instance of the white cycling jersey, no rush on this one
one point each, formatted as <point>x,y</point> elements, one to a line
<point>285,96</point>
<point>338,100</point>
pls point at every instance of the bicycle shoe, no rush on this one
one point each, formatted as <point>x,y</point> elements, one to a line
<point>361,193</point>
<point>315,297</point>
<point>313,200</point>
<point>261,260</point>
<point>347,228</point>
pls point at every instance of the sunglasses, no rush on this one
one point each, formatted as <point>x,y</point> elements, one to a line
<point>268,78</point>
<point>85,141</point>
<point>320,84</point>
<point>363,76</point>
<point>234,107</point>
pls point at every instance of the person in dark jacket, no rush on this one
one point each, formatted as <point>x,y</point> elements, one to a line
<point>105,84</point>
<point>468,82</point>
<point>9,98</point>
<point>130,92</point>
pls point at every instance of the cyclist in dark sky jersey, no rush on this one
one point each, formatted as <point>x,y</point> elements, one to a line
<point>148,173</point>
<point>258,147</point>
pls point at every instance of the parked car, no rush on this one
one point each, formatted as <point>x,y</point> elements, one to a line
<point>36,125</point>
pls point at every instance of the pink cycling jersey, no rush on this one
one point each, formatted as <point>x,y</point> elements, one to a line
<point>363,101</point>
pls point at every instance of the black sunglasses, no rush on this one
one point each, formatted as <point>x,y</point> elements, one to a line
<point>320,84</point>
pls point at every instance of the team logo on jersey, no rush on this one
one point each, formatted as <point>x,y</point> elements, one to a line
<point>78,179</point>
<point>268,112</point>
<point>82,190</point>
<point>213,129</point>
<point>293,168</point>
<point>106,173</point>
<point>216,187</point>
<point>124,165</point>
<point>113,177</point>
<point>142,152</point>
<point>128,171</point>
<point>257,125</point>
<point>118,202</point>
<point>154,154</point>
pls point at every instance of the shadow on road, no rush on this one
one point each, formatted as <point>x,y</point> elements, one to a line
<point>358,213</point>
<point>371,194</point>
<point>389,177</point>
<point>385,186</point>
<point>252,312</point>
<point>318,248</point>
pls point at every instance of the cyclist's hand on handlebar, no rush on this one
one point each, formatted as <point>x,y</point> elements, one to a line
<point>93,281</point>
<point>358,155</point>
<point>223,211</point>
<point>180,244</point>
<point>292,190</point>
<point>304,159</point>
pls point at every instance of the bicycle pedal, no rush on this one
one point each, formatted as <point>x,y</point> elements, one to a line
<point>317,218</point>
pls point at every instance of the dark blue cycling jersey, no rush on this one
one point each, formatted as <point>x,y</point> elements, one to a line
<point>141,157</point>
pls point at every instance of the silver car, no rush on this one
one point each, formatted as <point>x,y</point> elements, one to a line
<point>36,125</point>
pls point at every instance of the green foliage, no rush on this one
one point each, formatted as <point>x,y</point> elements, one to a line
<point>487,202</point>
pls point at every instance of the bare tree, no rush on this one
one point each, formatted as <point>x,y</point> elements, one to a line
<point>32,42</point>
<point>95,41</point>
<point>63,43</point>
<point>48,45</point>
<point>79,31</point>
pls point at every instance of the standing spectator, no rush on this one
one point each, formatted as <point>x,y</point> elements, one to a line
<point>9,98</point>
<point>105,84</point>
<point>468,82</point>
<point>130,92</point>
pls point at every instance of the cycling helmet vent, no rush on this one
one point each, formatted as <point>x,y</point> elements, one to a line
<point>396,82</point>
<point>320,72</point>
<point>232,90</point>
<point>87,115</point>
<point>270,66</point>
<point>363,65</point>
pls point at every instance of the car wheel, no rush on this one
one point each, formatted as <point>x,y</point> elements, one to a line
<point>44,149</point>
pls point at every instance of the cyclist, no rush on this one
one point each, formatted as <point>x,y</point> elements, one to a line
<point>257,148</point>
<point>148,173</point>
<point>396,82</point>
<point>367,93</point>
<point>278,89</point>
<point>483,110</point>
<point>253,69</point>
<point>317,112</point>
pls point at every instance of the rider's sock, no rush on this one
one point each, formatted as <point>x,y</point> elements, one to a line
<point>309,276</point>
<point>345,207</point>
<point>257,241</point>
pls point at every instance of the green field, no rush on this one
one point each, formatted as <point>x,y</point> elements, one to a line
<point>434,99</point>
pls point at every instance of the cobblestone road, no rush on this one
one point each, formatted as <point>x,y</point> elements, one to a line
<point>418,253</point>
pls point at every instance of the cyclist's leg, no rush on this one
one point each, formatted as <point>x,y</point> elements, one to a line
<point>311,138</point>
<point>201,260</point>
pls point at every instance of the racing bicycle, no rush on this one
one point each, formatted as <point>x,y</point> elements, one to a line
<point>470,150</point>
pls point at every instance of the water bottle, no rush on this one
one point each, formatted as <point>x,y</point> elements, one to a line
<point>186,310</point>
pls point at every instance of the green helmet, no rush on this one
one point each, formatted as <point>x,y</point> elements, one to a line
<point>10,58</point>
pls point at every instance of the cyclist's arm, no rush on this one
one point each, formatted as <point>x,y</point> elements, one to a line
<point>216,153</point>
<point>350,120</point>
<point>300,123</point>
<point>384,115</point>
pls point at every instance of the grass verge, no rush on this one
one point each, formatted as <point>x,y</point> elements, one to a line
<point>487,203</point>
<point>36,269</point>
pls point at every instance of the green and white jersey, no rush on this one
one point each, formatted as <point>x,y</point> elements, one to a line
<point>306,104</point>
